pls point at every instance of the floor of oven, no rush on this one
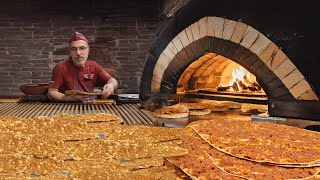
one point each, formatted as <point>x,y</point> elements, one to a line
<point>183,122</point>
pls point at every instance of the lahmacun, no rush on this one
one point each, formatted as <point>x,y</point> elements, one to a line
<point>45,146</point>
<point>81,93</point>
<point>262,142</point>
<point>199,112</point>
<point>96,145</point>
<point>215,106</point>
<point>204,161</point>
<point>175,111</point>
<point>193,105</point>
<point>231,104</point>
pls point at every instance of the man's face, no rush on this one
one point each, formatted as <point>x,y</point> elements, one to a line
<point>79,51</point>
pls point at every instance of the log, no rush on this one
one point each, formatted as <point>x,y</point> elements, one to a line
<point>242,85</point>
<point>235,86</point>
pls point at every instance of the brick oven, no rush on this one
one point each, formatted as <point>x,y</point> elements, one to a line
<point>277,50</point>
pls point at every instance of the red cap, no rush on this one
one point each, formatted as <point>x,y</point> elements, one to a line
<point>77,36</point>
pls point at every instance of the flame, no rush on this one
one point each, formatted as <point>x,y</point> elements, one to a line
<point>240,74</point>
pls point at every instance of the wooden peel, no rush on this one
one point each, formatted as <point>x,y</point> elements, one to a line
<point>77,92</point>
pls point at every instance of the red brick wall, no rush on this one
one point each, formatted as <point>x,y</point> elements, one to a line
<point>34,37</point>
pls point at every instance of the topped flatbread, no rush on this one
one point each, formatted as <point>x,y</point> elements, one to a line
<point>77,92</point>
<point>253,109</point>
<point>206,162</point>
<point>215,106</point>
<point>193,105</point>
<point>231,104</point>
<point>175,111</point>
<point>199,112</point>
<point>262,142</point>
<point>196,163</point>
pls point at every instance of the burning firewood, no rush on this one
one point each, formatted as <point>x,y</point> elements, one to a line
<point>242,85</point>
<point>257,86</point>
<point>235,86</point>
<point>223,88</point>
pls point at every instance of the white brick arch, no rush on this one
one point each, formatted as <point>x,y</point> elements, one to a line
<point>243,35</point>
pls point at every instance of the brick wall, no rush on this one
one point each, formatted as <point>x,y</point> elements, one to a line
<point>34,37</point>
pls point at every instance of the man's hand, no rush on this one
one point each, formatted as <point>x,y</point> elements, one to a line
<point>57,96</point>
<point>108,89</point>
<point>85,99</point>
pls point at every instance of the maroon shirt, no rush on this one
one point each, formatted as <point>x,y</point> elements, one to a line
<point>66,76</point>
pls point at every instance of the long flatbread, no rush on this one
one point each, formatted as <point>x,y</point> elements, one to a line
<point>206,162</point>
<point>196,163</point>
<point>262,142</point>
<point>199,112</point>
<point>77,92</point>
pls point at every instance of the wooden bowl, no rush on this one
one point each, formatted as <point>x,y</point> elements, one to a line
<point>35,89</point>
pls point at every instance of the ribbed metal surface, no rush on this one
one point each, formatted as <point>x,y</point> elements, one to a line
<point>130,112</point>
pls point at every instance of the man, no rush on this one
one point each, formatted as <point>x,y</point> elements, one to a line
<point>79,73</point>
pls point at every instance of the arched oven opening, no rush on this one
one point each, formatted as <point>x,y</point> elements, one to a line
<point>216,77</point>
<point>195,55</point>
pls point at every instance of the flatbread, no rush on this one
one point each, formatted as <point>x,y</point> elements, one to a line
<point>193,105</point>
<point>113,169</point>
<point>206,162</point>
<point>78,92</point>
<point>231,104</point>
<point>253,109</point>
<point>199,112</point>
<point>143,134</point>
<point>61,123</point>
<point>262,142</point>
<point>216,106</point>
<point>89,117</point>
<point>195,167</point>
<point>253,170</point>
<point>126,150</point>
<point>75,146</point>
<point>175,111</point>
<point>196,163</point>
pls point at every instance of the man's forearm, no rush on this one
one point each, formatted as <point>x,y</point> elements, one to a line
<point>58,96</point>
<point>109,88</point>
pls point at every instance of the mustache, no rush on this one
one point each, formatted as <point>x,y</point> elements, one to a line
<point>79,57</point>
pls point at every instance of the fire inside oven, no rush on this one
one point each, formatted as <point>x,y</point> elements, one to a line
<point>229,90</point>
<point>214,76</point>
